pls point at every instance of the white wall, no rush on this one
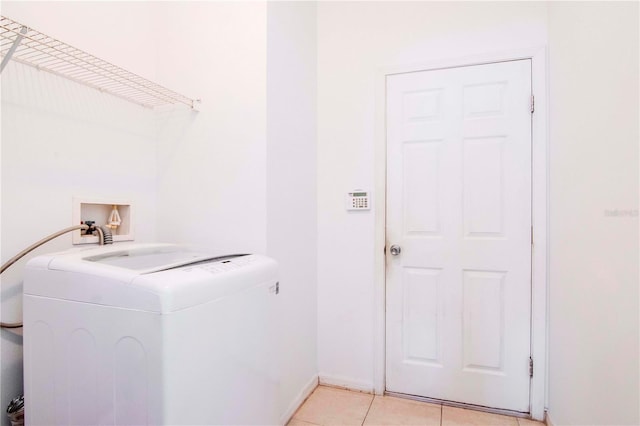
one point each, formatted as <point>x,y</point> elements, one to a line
<point>212,164</point>
<point>593,73</point>
<point>61,140</point>
<point>291,190</point>
<point>354,40</point>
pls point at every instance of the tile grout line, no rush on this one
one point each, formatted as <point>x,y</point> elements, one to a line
<point>368,409</point>
<point>441,413</point>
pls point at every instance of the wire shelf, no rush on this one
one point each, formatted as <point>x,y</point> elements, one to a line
<point>30,47</point>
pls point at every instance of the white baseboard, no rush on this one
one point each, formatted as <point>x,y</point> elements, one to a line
<point>547,419</point>
<point>298,400</point>
<point>346,383</point>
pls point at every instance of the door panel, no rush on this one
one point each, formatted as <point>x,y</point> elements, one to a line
<point>420,315</point>
<point>459,205</point>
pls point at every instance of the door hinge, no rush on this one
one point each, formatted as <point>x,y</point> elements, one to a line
<point>530,367</point>
<point>532,235</point>
<point>533,104</point>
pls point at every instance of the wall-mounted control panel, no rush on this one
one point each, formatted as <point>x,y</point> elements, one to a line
<point>358,200</point>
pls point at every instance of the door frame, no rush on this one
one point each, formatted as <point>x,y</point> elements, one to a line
<point>539,217</point>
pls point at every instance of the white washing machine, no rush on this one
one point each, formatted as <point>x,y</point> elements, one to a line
<point>150,335</point>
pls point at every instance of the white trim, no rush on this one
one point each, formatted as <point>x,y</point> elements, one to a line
<point>345,383</point>
<point>540,196</point>
<point>547,419</point>
<point>379,204</point>
<point>297,402</point>
<point>540,222</point>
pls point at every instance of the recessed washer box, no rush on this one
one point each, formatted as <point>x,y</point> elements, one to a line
<point>99,210</point>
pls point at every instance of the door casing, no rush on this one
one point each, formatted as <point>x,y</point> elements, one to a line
<point>539,261</point>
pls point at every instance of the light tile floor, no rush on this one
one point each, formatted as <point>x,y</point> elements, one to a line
<point>331,406</point>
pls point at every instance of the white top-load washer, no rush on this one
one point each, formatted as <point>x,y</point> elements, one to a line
<point>151,334</point>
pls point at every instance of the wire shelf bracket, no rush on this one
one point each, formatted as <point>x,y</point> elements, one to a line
<point>30,47</point>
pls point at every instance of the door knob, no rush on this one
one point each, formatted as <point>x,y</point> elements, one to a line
<point>395,250</point>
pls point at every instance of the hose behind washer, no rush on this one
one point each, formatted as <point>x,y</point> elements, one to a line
<point>103,238</point>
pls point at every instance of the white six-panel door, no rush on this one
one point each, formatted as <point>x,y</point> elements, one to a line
<point>459,207</point>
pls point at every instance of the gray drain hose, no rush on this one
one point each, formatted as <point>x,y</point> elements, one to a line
<point>106,237</point>
<point>15,411</point>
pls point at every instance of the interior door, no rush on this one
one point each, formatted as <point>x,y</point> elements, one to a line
<point>459,215</point>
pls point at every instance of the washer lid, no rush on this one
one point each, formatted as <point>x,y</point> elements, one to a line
<point>149,277</point>
<point>150,259</point>
<point>126,261</point>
